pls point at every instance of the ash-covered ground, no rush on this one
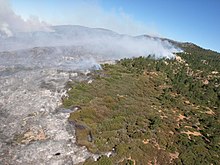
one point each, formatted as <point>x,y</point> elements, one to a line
<point>33,129</point>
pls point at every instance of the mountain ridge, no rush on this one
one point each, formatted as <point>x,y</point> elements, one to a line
<point>64,33</point>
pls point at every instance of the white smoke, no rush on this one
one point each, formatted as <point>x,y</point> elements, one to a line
<point>5,30</point>
<point>11,23</point>
<point>17,33</point>
<point>84,13</point>
<point>98,42</point>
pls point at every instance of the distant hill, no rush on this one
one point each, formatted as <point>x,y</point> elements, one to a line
<point>64,46</point>
<point>64,35</point>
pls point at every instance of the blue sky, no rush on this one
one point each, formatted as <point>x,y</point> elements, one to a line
<point>196,21</point>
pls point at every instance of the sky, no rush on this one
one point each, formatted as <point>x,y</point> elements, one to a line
<point>196,21</point>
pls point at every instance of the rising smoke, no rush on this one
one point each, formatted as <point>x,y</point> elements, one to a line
<point>17,33</point>
<point>11,23</point>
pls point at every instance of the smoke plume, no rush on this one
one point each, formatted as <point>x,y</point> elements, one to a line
<point>11,23</point>
<point>17,33</point>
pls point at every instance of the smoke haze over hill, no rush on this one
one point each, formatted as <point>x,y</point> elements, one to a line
<point>105,43</point>
<point>17,33</point>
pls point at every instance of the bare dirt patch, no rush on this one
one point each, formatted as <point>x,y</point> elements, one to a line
<point>181,117</point>
<point>194,133</point>
<point>173,156</point>
<point>146,141</point>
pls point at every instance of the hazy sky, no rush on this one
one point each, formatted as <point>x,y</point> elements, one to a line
<point>196,21</point>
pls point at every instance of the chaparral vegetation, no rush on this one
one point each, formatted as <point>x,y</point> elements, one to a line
<point>147,111</point>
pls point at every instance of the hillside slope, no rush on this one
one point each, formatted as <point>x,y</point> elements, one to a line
<point>150,111</point>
